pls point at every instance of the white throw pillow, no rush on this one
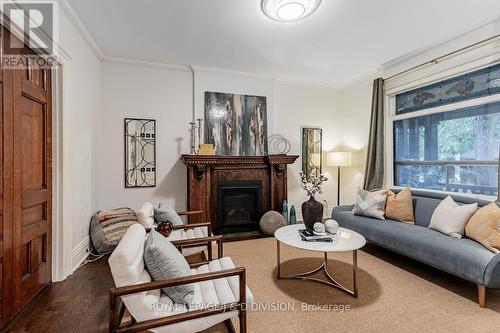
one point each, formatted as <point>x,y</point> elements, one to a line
<point>450,218</point>
<point>145,215</point>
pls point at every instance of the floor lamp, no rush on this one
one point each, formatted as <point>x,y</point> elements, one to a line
<point>338,159</point>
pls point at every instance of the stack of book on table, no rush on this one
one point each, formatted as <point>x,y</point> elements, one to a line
<point>310,236</point>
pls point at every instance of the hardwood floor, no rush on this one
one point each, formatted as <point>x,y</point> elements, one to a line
<point>78,304</point>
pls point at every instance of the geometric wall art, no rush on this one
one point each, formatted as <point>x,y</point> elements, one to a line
<point>312,142</point>
<point>236,124</point>
<point>140,153</point>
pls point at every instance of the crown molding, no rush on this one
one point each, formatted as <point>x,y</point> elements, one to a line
<point>143,63</point>
<point>80,27</point>
<point>482,30</point>
<point>211,70</point>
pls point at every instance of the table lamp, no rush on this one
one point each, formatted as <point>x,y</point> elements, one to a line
<point>338,159</point>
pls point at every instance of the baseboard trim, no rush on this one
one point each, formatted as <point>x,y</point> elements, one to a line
<point>80,253</point>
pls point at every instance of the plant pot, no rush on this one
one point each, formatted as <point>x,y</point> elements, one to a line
<point>312,212</point>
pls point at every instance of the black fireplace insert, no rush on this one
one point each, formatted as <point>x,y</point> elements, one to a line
<point>238,206</point>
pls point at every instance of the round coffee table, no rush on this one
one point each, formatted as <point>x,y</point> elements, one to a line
<point>346,240</point>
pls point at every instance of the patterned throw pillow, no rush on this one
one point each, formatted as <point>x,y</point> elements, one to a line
<point>107,228</point>
<point>400,206</point>
<point>163,262</point>
<point>370,204</point>
<point>166,213</point>
<point>484,227</point>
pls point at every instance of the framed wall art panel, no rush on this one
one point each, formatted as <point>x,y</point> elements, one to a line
<point>140,153</point>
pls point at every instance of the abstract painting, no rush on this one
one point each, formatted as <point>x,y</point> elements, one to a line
<point>236,124</point>
<point>140,152</point>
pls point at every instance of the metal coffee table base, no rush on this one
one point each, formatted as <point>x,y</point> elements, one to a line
<point>324,267</point>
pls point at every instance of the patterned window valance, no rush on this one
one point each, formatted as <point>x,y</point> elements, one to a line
<point>468,86</point>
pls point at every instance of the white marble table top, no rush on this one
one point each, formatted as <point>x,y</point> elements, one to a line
<point>345,240</point>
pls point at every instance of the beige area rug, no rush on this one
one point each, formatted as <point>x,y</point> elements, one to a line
<point>396,294</point>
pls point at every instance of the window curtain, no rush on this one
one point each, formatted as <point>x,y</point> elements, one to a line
<point>498,183</point>
<point>374,168</point>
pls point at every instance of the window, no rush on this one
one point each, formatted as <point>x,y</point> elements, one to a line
<point>454,150</point>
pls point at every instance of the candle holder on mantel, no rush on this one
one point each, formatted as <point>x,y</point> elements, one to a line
<point>193,137</point>
<point>200,122</point>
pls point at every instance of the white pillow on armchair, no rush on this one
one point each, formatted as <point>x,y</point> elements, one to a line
<point>145,215</point>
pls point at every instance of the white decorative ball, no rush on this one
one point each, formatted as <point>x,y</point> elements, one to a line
<point>319,227</point>
<point>332,226</point>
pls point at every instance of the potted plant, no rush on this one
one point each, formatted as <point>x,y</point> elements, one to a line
<point>312,210</point>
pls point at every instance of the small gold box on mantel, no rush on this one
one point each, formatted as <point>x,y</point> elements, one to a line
<point>206,149</point>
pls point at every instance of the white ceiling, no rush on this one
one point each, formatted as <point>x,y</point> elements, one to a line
<point>342,41</point>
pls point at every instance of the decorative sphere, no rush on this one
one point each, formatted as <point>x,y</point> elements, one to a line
<point>332,226</point>
<point>270,222</point>
<point>165,228</point>
<point>319,227</point>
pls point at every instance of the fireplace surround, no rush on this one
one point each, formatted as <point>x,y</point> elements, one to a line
<point>261,179</point>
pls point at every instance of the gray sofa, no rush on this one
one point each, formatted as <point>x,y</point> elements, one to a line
<point>461,257</point>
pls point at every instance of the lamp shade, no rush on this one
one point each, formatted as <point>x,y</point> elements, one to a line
<point>339,159</point>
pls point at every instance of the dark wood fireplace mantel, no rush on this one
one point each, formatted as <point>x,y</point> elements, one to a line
<point>204,172</point>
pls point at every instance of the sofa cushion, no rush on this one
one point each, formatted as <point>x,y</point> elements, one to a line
<point>484,227</point>
<point>425,202</point>
<point>450,218</point>
<point>166,213</point>
<point>462,257</point>
<point>371,204</point>
<point>163,262</point>
<point>399,206</point>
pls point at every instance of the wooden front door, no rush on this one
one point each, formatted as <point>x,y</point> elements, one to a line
<point>26,182</point>
<point>32,183</point>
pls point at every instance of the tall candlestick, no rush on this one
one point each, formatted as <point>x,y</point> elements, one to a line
<point>200,121</point>
<point>193,137</point>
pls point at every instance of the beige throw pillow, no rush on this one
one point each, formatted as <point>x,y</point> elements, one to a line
<point>400,206</point>
<point>450,218</point>
<point>370,204</point>
<point>484,227</point>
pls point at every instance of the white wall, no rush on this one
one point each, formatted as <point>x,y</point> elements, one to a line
<point>299,106</point>
<point>355,103</point>
<point>81,87</point>
<point>142,92</point>
<point>166,95</point>
<point>78,108</point>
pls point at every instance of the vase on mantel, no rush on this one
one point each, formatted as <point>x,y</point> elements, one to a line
<point>312,212</point>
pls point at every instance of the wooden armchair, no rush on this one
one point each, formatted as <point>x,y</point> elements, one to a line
<point>193,216</point>
<point>117,307</point>
<point>195,236</point>
<point>138,294</point>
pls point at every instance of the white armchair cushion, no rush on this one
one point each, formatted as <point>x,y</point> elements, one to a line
<point>145,215</point>
<point>197,232</point>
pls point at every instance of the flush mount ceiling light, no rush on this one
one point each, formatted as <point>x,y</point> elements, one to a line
<point>289,10</point>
